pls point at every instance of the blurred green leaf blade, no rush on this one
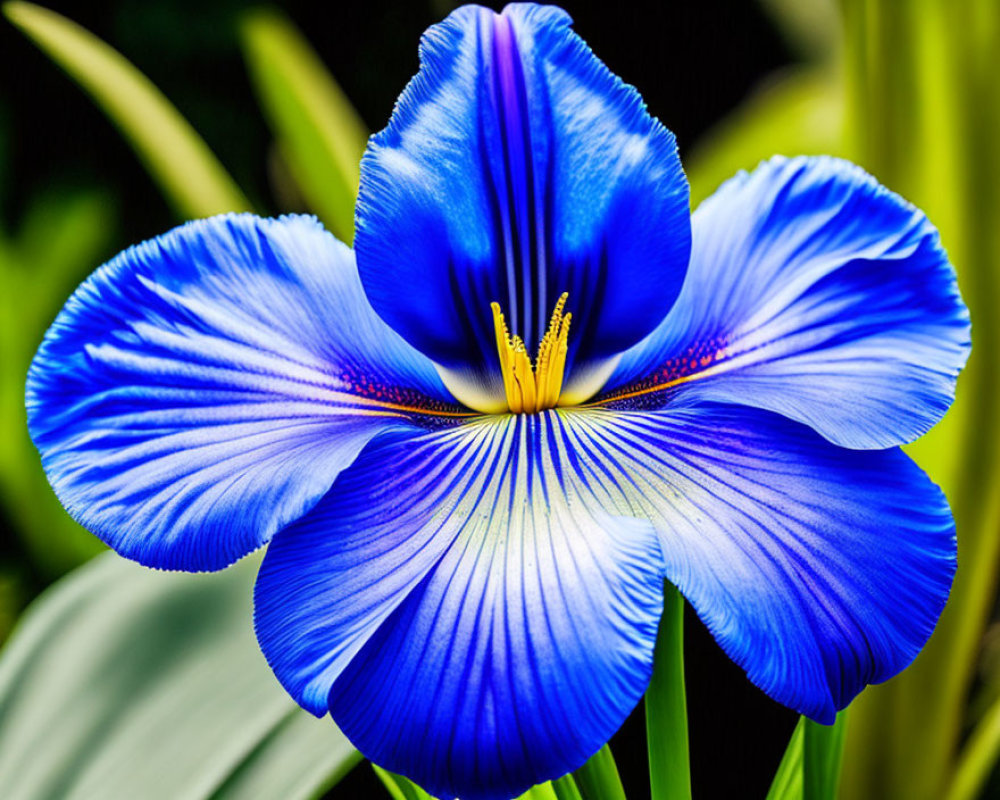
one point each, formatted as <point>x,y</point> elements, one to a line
<point>978,758</point>
<point>799,112</point>
<point>923,115</point>
<point>122,682</point>
<point>191,178</point>
<point>63,234</point>
<point>320,135</point>
<point>787,783</point>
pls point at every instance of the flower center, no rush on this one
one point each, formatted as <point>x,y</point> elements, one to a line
<point>531,388</point>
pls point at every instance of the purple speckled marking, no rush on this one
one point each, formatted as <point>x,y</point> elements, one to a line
<point>644,394</point>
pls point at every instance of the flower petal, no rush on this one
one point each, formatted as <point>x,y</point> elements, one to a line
<point>203,389</point>
<point>478,622</point>
<point>817,568</point>
<point>478,605</point>
<point>517,167</point>
<point>816,293</point>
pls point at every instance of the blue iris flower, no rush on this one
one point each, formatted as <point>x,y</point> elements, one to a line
<point>466,576</point>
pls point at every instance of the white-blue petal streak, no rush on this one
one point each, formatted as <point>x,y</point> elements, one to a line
<point>818,569</point>
<point>472,615</point>
<point>816,293</point>
<point>204,388</point>
<point>516,167</point>
<point>477,606</point>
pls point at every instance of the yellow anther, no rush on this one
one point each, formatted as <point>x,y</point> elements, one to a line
<point>533,389</point>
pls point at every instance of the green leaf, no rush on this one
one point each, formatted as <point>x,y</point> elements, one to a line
<point>318,131</point>
<point>924,117</point>
<point>63,235</point>
<point>787,783</point>
<point>810,768</point>
<point>565,788</point>
<point>401,788</point>
<point>598,779</point>
<point>978,758</point>
<point>192,180</point>
<point>809,27</point>
<point>124,682</point>
<point>822,754</point>
<point>666,706</point>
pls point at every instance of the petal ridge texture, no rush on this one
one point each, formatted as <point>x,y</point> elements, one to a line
<point>452,579</point>
<point>204,388</point>
<point>516,167</point>
<point>815,292</point>
<point>465,607</point>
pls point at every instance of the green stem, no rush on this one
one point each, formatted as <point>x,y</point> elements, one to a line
<point>598,779</point>
<point>823,750</point>
<point>666,707</point>
<point>565,788</point>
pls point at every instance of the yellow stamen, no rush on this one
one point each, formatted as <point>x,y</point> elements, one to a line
<point>529,390</point>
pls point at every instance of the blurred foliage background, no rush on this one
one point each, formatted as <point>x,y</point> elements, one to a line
<point>120,683</point>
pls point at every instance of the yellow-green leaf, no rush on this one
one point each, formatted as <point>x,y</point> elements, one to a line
<point>796,113</point>
<point>191,178</point>
<point>787,783</point>
<point>320,135</point>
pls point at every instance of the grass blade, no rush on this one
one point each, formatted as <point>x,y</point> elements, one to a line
<point>319,133</point>
<point>666,707</point>
<point>598,779</point>
<point>192,180</point>
<point>787,783</point>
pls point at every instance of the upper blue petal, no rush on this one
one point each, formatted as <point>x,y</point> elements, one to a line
<point>473,616</point>
<point>517,167</point>
<point>814,292</point>
<point>203,389</point>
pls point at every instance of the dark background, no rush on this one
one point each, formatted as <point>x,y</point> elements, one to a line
<point>692,61</point>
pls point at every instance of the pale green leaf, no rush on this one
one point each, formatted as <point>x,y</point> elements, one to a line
<point>319,133</point>
<point>122,682</point>
<point>810,27</point>
<point>192,180</point>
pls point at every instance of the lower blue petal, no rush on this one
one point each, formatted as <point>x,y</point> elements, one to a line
<point>477,606</point>
<point>203,389</point>
<point>817,568</point>
<point>816,293</point>
<point>477,619</point>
